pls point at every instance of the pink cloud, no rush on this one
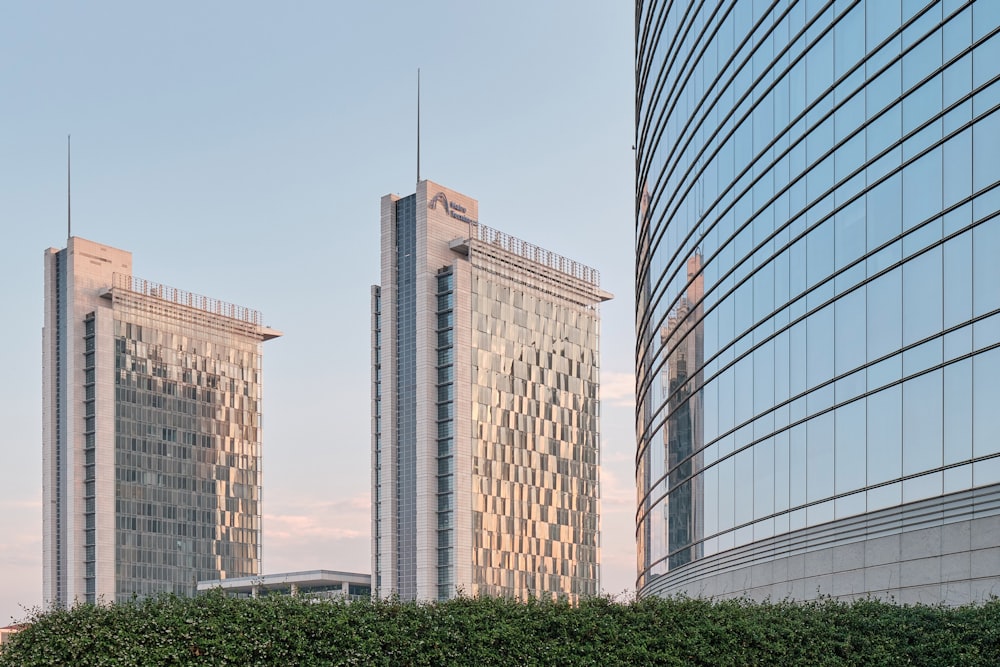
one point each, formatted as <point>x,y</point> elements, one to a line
<point>618,388</point>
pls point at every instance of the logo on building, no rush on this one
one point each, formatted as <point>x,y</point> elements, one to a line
<point>454,209</point>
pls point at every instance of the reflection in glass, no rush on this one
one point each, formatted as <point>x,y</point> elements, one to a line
<point>684,434</point>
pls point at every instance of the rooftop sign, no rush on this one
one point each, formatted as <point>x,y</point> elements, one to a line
<point>454,209</point>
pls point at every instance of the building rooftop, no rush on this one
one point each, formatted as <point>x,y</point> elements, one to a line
<point>306,581</point>
<point>187,299</point>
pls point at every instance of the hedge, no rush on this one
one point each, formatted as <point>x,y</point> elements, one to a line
<point>278,630</point>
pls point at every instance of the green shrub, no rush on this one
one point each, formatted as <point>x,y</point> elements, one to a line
<point>215,630</point>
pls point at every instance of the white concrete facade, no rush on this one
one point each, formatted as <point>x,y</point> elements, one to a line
<point>73,285</point>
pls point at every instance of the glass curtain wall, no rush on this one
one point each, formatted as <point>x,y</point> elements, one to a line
<point>817,283</point>
<point>406,393</point>
<point>187,447</point>
<point>535,371</point>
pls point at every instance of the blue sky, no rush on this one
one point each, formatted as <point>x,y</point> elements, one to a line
<point>239,150</point>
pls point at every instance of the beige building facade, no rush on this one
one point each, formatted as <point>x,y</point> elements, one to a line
<point>7,632</point>
<point>485,445</point>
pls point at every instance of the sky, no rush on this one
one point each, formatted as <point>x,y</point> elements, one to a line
<point>239,151</point>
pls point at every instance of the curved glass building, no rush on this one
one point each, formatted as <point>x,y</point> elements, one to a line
<point>818,298</point>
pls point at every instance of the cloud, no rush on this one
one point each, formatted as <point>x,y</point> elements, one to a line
<point>309,505</point>
<point>618,547</point>
<point>302,528</point>
<point>618,388</point>
<point>21,564</point>
<point>618,456</point>
<point>618,527</point>
<point>21,526</point>
<point>310,534</point>
<point>618,568</point>
<point>32,505</point>
<point>616,491</point>
<point>343,518</point>
<point>21,550</point>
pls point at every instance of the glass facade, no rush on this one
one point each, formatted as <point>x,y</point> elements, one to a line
<point>378,490</point>
<point>406,397</point>
<point>57,478</point>
<point>817,284</point>
<point>535,445</point>
<point>187,443</point>
<point>445,432</point>
<point>90,459</point>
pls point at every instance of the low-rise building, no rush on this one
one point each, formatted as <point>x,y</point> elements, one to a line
<point>327,584</point>
<point>8,631</point>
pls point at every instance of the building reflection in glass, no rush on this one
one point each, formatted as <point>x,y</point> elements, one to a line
<point>683,435</point>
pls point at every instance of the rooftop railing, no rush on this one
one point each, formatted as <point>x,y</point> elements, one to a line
<point>184,298</point>
<point>532,252</point>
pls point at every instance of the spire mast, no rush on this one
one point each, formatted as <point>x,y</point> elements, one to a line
<point>69,200</point>
<point>418,125</point>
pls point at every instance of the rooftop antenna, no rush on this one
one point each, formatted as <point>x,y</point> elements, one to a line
<point>418,125</point>
<point>69,201</point>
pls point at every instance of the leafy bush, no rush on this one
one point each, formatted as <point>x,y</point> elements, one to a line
<point>215,630</point>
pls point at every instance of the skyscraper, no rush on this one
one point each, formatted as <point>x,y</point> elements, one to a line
<point>818,298</point>
<point>151,432</point>
<point>485,418</point>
